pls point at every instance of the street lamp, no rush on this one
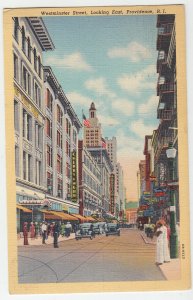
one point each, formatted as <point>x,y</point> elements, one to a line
<point>171,154</point>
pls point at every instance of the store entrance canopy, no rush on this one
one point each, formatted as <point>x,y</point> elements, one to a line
<point>24,209</point>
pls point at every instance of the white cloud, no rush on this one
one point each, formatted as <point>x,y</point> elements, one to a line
<point>149,106</point>
<point>139,81</point>
<point>99,86</point>
<point>76,98</point>
<point>140,129</point>
<point>124,106</point>
<point>74,61</point>
<point>107,120</point>
<point>133,51</point>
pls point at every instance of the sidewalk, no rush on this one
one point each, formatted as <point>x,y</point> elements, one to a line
<point>38,241</point>
<point>170,270</point>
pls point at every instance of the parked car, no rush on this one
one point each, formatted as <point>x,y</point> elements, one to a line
<point>112,229</point>
<point>84,231</point>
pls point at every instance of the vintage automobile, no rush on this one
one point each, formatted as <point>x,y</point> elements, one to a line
<point>84,231</point>
<point>112,229</point>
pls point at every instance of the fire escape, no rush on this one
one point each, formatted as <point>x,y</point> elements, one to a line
<point>166,90</point>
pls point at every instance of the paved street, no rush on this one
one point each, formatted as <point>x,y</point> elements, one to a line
<point>113,258</point>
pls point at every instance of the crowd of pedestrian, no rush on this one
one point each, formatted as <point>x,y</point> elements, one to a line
<point>45,229</point>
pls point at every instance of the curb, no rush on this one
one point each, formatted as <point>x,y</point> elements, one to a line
<point>146,241</point>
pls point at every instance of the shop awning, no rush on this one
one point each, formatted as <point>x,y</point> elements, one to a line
<point>64,216</point>
<point>90,219</point>
<point>24,209</point>
<point>79,217</point>
<point>51,217</point>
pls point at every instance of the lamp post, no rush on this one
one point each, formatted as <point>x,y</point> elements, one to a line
<point>171,154</point>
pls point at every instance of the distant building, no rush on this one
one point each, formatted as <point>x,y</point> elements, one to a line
<point>92,134</point>
<point>131,212</point>
<point>89,183</point>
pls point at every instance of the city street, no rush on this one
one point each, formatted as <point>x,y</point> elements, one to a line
<point>113,258</point>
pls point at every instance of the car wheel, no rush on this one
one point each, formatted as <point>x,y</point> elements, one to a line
<point>106,234</point>
<point>91,237</point>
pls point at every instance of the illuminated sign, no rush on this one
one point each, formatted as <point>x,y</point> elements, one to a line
<point>74,183</point>
<point>112,193</point>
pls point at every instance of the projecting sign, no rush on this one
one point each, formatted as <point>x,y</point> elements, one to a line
<point>112,193</point>
<point>74,192</point>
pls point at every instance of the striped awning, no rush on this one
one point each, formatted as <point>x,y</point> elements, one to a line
<point>64,216</point>
<point>79,217</point>
<point>23,208</point>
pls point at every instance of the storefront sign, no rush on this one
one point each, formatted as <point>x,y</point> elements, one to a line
<point>74,183</point>
<point>112,193</point>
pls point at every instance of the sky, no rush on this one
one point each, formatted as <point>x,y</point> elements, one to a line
<point>111,61</point>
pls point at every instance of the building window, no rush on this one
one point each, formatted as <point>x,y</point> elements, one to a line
<point>23,39</point>
<point>68,170</point>
<point>16,28</point>
<point>37,94</point>
<point>68,127</point>
<point>74,136</point>
<point>59,139</point>
<point>67,148</point>
<point>17,161</point>
<point>15,59</point>
<point>27,126</point>
<point>38,172</point>
<point>92,114</point>
<point>16,115</point>
<point>48,128</point>
<point>26,80</point>
<point>39,66</point>
<point>38,135</point>
<point>35,60</point>
<point>59,115</point>
<point>49,183</point>
<point>30,167</point>
<point>49,99</point>
<point>29,49</point>
<point>59,164</point>
<point>24,165</point>
<point>59,189</point>
<point>49,156</point>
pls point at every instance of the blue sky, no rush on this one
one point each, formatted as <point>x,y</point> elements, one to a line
<point>110,60</point>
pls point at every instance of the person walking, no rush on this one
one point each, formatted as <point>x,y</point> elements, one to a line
<point>25,234</point>
<point>36,230</point>
<point>32,230</point>
<point>44,232</point>
<point>68,229</point>
<point>56,233</point>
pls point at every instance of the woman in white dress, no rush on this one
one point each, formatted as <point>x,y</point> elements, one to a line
<point>162,250</point>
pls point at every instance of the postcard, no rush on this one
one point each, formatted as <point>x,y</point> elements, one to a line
<point>96,149</point>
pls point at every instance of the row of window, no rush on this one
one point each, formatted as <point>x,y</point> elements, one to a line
<point>89,164</point>
<point>27,48</point>
<point>59,191</point>
<point>26,82</point>
<point>91,183</point>
<point>28,167</point>
<point>27,126</point>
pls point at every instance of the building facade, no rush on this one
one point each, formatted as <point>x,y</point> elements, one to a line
<point>106,168</point>
<point>61,142</point>
<point>89,182</point>
<point>30,40</point>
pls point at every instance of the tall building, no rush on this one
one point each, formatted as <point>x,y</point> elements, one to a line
<point>147,153</point>
<point>120,193</point>
<point>111,146</point>
<point>61,141</point>
<point>101,157</point>
<point>167,107</point>
<point>89,183</point>
<point>92,134</point>
<point>30,40</point>
<point>142,167</point>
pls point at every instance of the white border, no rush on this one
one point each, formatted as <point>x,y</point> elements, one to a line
<point>4,293</point>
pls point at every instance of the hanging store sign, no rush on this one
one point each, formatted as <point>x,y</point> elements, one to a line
<point>74,181</point>
<point>112,193</point>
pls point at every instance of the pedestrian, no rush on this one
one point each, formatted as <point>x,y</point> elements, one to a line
<point>32,230</point>
<point>162,250</point>
<point>56,233</point>
<point>63,229</point>
<point>36,230</point>
<point>92,230</point>
<point>44,231</point>
<point>51,229</point>
<point>68,229</point>
<point>25,234</point>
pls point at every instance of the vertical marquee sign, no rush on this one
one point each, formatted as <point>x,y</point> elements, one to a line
<point>74,193</point>
<point>112,193</point>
